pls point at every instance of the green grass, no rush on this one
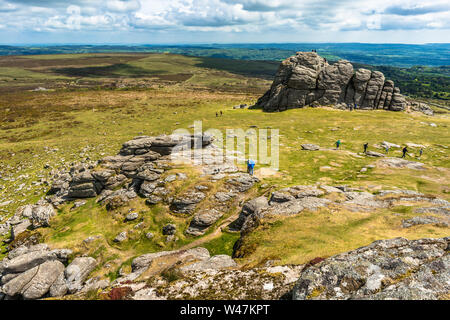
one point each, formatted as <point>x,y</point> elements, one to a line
<point>223,244</point>
<point>301,238</point>
<point>32,123</point>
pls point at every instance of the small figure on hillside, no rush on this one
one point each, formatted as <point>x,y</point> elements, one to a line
<point>250,166</point>
<point>420,152</point>
<point>338,144</point>
<point>350,107</point>
<point>405,151</point>
<point>366,145</point>
<point>386,148</point>
<point>221,113</point>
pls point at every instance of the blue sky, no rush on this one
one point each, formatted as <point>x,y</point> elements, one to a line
<point>223,21</point>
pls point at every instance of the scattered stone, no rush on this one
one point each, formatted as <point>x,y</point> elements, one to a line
<point>374,154</point>
<point>423,220</point>
<point>121,237</point>
<point>401,164</point>
<point>169,229</point>
<point>390,145</point>
<point>77,204</point>
<point>310,147</point>
<point>132,216</point>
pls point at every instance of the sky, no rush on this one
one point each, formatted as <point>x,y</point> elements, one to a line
<point>223,21</point>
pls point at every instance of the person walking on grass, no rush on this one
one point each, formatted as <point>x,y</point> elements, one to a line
<point>366,145</point>
<point>250,166</point>
<point>386,148</point>
<point>338,144</point>
<point>420,152</point>
<point>405,151</point>
<point>221,113</point>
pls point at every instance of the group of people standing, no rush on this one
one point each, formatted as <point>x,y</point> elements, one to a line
<point>366,146</point>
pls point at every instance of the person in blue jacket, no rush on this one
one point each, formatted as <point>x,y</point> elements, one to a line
<point>338,144</point>
<point>250,166</point>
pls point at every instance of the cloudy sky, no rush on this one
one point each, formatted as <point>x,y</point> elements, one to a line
<point>223,21</point>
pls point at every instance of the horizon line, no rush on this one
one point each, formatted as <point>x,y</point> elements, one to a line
<point>209,43</point>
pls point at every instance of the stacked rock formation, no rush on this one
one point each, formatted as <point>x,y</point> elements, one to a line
<point>307,79</point>
<point>136,164</point>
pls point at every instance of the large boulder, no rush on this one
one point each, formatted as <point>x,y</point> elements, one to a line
<point>35,282</point>
<point>78,271</point>
<point>203,220</point>
<point>32,272</point>
<point>307,79</point>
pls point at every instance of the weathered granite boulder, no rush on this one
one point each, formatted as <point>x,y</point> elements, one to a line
<point>35,282</point>
<point>31,272</point>
<point>386,269</point>
<point>249,213</point>
<point>39,214</point>
<point>203,220</point>
<point>241,182</point>
<point>307,79</point>
<point>78,271</point>
<point>187,202</point>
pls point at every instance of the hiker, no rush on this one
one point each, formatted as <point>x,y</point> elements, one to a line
<point>366,145</point>
<point>338,143</point>
<point>405,151</point>
<point>250,166</point>
<point>386,148</point>
<point>350,107</point>
<point>420,152</point>
<point>221,113</point>
<point>356,106</point>
<point>217,114</point>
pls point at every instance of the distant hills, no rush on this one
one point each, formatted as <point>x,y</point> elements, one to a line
<point>399,55</point>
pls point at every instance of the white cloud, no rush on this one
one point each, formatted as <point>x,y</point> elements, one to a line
<point>226,16</point>
<point>123,6</point>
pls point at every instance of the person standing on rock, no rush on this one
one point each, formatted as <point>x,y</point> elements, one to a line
<point>366,145</point>
<point>250,166</point>
<point>338,144</point>
<point>405,151</point>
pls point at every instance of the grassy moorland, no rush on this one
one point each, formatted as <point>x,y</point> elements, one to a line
<point>95,102</point>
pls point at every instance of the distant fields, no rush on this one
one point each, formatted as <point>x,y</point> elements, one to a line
<point>400,55</point>
<point>429,82</point>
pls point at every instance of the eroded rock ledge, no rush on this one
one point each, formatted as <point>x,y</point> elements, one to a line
<point>386,269</point>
